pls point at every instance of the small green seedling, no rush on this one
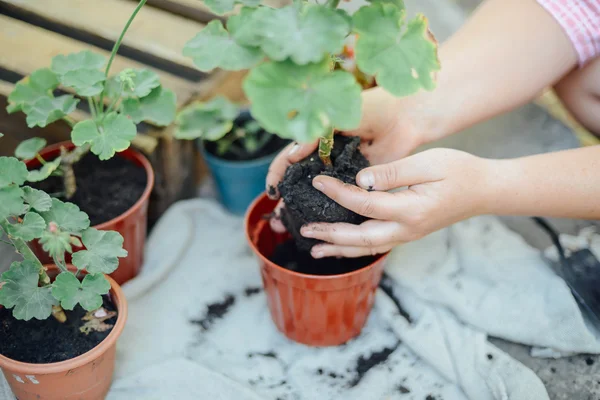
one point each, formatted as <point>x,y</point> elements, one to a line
<point>116,105</point>
<point>28,214</point>
<point>295,85</point>
<point>214,121</point>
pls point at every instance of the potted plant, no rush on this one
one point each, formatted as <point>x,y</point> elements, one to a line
<point>237,149</point>
<point>114,191</point>
<point>60,322</point>
<point>300,87</point>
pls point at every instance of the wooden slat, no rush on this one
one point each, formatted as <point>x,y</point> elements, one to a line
<point>26,48</point>
<point>153,31</point>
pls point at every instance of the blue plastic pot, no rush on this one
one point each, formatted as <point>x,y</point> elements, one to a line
<point>238,182</point>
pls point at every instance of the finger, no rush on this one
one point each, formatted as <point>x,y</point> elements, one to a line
<point>377,205</point>
<point>332,250</point>
<point>291,154</point>
<point>372,233</point>
<point>275,221</point>
<point>408,171</point>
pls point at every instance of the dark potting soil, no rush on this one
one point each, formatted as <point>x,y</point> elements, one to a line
<point>105,189</point>
<point>290,257</point>
<point>274,145</point>
<point>49,341</point>
<point>305,204</point>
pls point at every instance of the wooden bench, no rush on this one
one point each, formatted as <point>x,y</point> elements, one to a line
<point>33,31</point>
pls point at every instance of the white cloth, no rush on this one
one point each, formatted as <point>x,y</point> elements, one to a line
<point>458,285</point>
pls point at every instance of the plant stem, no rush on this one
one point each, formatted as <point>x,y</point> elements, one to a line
<point>40,159</point>
<point>332,3</point>
<point>60,264</point>
<point>69,121</point>
<point>325,146</point>
<point>66,163</point>
<point>92,107</point>
<point>117,45</point>
<point>24,250</point>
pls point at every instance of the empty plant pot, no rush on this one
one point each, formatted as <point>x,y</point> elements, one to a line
<point>316,310</point>
<point>132,224</point>
<point>86,377</point>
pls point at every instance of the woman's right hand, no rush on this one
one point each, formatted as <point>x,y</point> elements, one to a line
<point>387,131</point>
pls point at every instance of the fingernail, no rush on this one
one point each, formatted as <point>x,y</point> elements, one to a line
<point>307,232</point>
<point>366,179</point>
<point>294,149</point>
<point>318,185</point>
<point>318,254</point>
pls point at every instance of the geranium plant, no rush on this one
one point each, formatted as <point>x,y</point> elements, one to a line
<point>27,214</point>
<point>214,121</point>
<point>116,104</point>
<point>297,85</point>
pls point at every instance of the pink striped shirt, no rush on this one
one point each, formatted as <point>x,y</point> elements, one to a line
<point>581,21</point>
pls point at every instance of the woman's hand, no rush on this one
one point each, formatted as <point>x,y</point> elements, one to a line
<point>443,187</point>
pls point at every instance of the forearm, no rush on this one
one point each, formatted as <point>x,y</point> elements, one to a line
<point>563,184</point>
<point>503,57</point>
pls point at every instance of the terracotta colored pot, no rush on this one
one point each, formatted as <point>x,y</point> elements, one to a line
<point>310,309</point>
<point>131,224</point>
<point>87,377</point>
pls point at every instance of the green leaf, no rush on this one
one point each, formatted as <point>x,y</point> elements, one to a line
<point>306,34</point>
<point>86,82</point>
<point>30,89</point>
<point>224,6</point>
<point>84,60</point>
<point>397,3</point>
<point>37,199</point>
<point>44,172</point>
<point>402,62</point>
<point>159,107</point>
<point>303,102</point>
<point>48,109</point>
<point>56,243</point>
<point>66,216</point>
<point>102,251</point>
<point>70,292</point>
<point>114,135</point>
<point>21,291</point>
<point>12,171</point>
<point>11,201</point>
<point>143,81</point>
<point>213,47</point>
<point>31,228</point>
<point>209,121</point>
<point>29,148</point>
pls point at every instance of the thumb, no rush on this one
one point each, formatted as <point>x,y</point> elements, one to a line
<point>406,172</point>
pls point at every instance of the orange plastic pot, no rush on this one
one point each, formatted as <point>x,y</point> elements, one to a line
<point>310,309</point>
<point>87,377</point>
<point>131,224</point>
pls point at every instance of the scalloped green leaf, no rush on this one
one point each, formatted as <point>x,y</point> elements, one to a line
<point>302,101</point>
<point>114,135</point>
<point>305,34</point>
<point>29,148</point>
<point>11,201</point>
<point>20,290</point>
<point>245,27</point>
<point>209,121</point>
<point>144,81</point>
<point>103,249</point>
<point>213,47</point>
<point>39,84</point>
<point>67,217</point>
<point>159,107</point>
<point>37,199</point>
<point>86,82</point>
<point>30,228</point>
<point>83,60</point>
<point>403,61</point>
<point>88,293</point>
<point>12,171</point>
<point>56,243</point>
<point>38,175</point>
<point>397,3</point>
<point>49,109</point>
<point>221,7</point>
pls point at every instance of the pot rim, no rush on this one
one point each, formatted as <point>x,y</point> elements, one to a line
<point>241,164</point>
<point>52,368</point>
<point>138,156</point>
<point>379,258</point>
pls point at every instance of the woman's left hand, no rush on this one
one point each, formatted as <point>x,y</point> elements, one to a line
<point>443,187</point>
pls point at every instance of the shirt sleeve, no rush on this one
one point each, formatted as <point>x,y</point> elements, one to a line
<point>580,19</point>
